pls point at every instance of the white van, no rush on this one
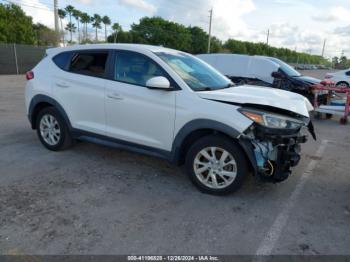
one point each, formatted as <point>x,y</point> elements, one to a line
<point>263,71</point>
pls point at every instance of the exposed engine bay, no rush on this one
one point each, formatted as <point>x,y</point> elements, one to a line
<point>275,151</point>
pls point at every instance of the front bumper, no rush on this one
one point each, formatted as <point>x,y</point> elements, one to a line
<point>272,152</point>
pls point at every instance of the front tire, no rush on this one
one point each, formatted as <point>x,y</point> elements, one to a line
<point>52,130</point>
<point>216,165</point>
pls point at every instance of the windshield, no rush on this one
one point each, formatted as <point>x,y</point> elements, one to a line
<point>290,71</point>
<point>197,75</point>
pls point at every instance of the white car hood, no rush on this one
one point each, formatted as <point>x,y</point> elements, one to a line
<point>261,96</point>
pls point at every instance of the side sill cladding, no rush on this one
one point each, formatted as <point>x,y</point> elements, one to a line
<point>38,99</point>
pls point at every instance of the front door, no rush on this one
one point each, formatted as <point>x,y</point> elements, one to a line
<point>135,113</point>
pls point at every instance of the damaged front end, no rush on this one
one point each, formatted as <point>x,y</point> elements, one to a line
<point>273,143</point>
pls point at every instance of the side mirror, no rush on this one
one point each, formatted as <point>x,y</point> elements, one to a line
<point>158,82</point>
<point>277,75</point>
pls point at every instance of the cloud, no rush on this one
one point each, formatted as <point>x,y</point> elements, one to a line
<point>293,37</point>
<point>141,5</point>
<point>342,31</point>
<point>338,13</point>
<point>40,12</point>
<point>84,2</point>
<point>227,19</point>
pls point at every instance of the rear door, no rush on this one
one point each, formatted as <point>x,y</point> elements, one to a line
<point>80,89</point>
<point>135,113</point>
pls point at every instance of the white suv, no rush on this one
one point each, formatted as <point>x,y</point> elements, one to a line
<point>169,104</point>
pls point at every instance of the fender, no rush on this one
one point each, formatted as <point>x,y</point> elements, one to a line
<point>45,99</point>
<point>196,125</point>
<point>201,124</point>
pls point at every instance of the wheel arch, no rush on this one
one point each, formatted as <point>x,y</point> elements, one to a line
<point>343,81</point>
<point>38,103</point>
<point>197,129</point>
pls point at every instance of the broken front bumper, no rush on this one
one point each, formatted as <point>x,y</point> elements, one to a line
<point>273,152</point>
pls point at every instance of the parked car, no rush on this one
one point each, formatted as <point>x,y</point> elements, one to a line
<point>264,71</point>
<point>341,78</point>
<point>169,104</point>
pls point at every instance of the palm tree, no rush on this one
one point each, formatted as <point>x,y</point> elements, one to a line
<point>116,28</point>
<point>62,15</point>
<point>106,21</point>
<point>71,28</point>
<point>69,10</point>
<point>85,19</point>
<point>77,15</point>
<point>96,24</point>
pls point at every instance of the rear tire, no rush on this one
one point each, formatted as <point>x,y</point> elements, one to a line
<point>52,130</point>
<point>216,165</point>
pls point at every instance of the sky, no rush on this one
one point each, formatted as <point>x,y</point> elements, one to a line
<point>301,25</point>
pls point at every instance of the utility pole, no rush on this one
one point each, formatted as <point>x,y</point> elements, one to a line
<point>268,37</point>
<point>210,24</point>
<point>324,47</point>
<point>55,4</point>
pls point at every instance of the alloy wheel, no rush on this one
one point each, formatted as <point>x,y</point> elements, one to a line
<point>50,130</point>
<point>215,167</point>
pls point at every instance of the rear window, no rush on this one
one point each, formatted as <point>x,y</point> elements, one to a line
<point>61,60</point>
<point>89,63</point>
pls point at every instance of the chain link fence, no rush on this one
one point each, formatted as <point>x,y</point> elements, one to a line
<point>18,59</point>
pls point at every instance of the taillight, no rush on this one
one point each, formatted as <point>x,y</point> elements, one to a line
<point>30,75</point>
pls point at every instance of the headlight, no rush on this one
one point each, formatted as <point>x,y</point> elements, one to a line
<point>271,120</point>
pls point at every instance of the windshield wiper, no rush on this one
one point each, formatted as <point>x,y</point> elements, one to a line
<point>230,85</point>
<point>214,88</point>
<point>204,89</point>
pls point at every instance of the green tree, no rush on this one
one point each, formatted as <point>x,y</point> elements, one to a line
<point>69,10</point>
<point>97,25</point>
<point>237,47</point>
<point>199,40</point>
<point>116,30</point>
<point>216,45</point>
<point>71,28</point>
<point>15,25</point>
<point>343,62</point>
<point>45,36</point>
<point>77,15</point>
<point>106,21</point>
<point>85,20</point>
<point>62,15</point>
<point>157,31</point>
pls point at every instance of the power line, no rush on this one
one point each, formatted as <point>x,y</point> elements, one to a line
<point>32,6</point>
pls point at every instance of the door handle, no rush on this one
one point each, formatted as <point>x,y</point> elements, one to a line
<point>62,85</point>
<point>114,96</point>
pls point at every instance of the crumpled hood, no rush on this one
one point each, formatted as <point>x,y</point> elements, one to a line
<point>261,96</point>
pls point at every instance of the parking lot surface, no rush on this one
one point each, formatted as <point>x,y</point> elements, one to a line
<point>96,200</point>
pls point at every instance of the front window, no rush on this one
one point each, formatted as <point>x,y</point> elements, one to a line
<point>197,75</point>
<point>287,69</point>
<point>136,69</point>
